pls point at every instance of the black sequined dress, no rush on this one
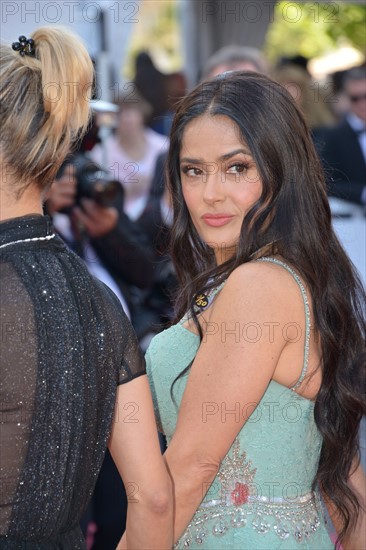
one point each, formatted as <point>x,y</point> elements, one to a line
<point>65,346</point>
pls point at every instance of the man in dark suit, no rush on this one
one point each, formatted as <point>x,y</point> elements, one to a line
<point>343,148</point>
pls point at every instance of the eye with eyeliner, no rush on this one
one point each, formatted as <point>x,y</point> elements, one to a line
<point>194,171</point>
<point>242,167</point>
<point>186,169</point>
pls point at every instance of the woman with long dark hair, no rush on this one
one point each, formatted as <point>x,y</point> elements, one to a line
<point>258,387</point>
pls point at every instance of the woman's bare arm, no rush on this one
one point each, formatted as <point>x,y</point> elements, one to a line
<point>136,452</point>
<point>229,369</point>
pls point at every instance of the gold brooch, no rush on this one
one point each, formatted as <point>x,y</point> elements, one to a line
<point>201,300</point>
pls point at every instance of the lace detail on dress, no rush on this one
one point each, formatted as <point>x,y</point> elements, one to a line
<point>240,506</point>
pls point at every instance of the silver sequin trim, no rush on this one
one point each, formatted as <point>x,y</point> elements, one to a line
<point>47,238</point>
<point>307,315</point>
<point>297,519</point>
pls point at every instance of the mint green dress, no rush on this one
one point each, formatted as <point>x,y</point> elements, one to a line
<point>261,498</point>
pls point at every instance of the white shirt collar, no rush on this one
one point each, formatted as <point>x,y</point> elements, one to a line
<point>355,122</point>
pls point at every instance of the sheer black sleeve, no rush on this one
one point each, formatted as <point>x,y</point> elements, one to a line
<point>132,362</point>
<point>18,373</point>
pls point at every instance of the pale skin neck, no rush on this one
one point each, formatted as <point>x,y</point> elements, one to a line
<point>30,202</point>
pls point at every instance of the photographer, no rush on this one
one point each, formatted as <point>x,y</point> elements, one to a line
<point>113,247</point>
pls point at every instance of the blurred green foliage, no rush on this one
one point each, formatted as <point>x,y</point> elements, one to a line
<point>315,28</point>
<point>308,28</point>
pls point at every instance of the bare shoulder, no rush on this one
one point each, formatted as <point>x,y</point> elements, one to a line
<point>263,269</point>
<point>259,293</point>
<point>265,283</point>
<point>262,298</point>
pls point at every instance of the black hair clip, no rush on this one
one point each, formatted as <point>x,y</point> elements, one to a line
<point>25,46</point>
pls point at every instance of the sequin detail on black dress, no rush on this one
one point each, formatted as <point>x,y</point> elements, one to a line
<point>66,345</point>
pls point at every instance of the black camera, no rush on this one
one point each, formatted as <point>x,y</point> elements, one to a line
<point>93,182</point>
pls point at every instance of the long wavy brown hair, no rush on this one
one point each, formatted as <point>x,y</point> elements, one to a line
<point>293,211</point>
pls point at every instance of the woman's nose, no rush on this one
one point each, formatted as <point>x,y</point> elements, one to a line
<point>213,186</point>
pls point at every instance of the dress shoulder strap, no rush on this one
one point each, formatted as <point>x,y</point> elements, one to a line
<point>216,290</point>
<point>307,314</point>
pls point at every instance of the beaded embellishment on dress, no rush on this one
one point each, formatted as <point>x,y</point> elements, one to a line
<point>297,519</point>
<point>241,507</point>
<point>236,476</point>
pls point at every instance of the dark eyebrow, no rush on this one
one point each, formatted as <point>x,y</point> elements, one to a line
<point>224,157</point>
<point>233,153</point>
<point>192,161</point>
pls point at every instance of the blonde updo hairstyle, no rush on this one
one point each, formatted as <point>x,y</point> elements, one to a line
<point>44,105</point>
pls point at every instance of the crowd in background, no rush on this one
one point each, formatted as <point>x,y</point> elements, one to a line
<point>124,237</point>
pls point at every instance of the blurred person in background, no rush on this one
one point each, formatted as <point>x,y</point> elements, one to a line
<point>160,90</point>
<point>235,58</point>
<point>342,148</point>
<point>156,222</point>
<point>70,359</point>
<point>339,102</point>
<point>307,94</point>
<point>131,152</point>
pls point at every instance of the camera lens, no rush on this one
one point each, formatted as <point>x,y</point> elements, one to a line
<point>95,183</point>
